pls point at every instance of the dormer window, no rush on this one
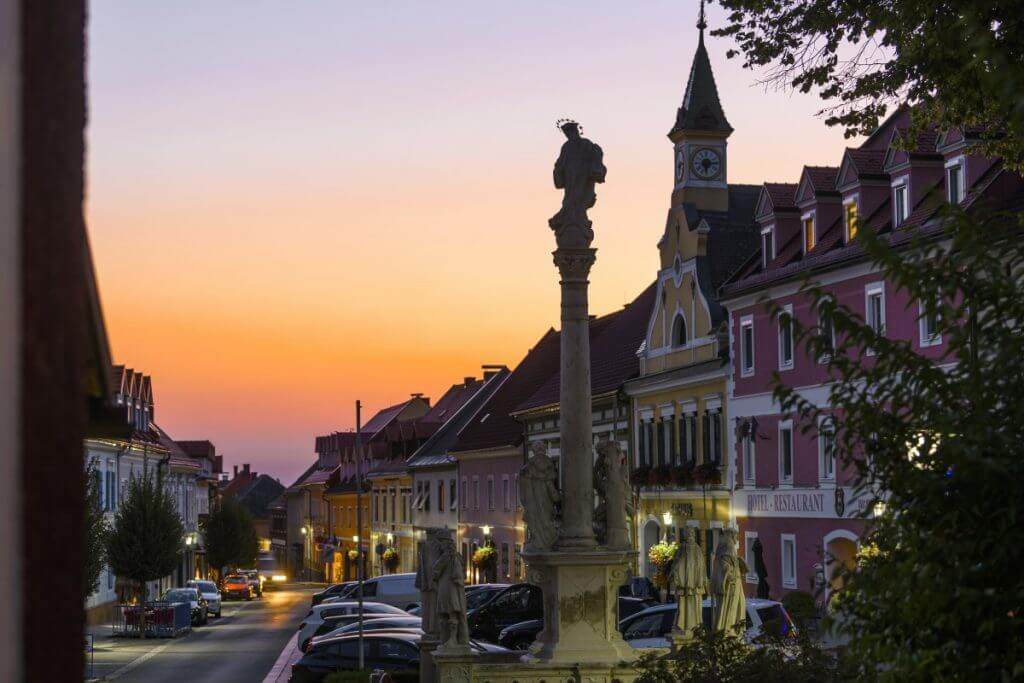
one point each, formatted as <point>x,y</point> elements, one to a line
<point>851,219</point>
<point>767,246</point>
<point>809,237</point>
<point>900,204</point>
<point>679,330</point>
<point>955,180</point>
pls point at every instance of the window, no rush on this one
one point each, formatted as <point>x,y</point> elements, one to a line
<point>747,346</point>
<point>900,204</point>
<point>679,330</point>
<point>929,326</point>
<point>852,222</point>
<point>767,246</point>
<point>786,338</point>
<point>786,451</point>
<point>518,559</point>
<point>476,493</point>
<point>453,500</point>
<point>515,491</point>
<point>465,494</point>
<point>788,561</point>
<point>504,559</point>
<point>955,182</point>
<point>661,457</point>
<point>826,336</point>
<point>748,457</point>
<point>748,554</point>
<point>440,496</point>
<point>826,448</point>
<point>809,237</point>
<point>690,421</point>
<point>490,492</point>
<point>874,307</point>
<point>504,493</point>
<point>714,453</point>
<point>426,496</point>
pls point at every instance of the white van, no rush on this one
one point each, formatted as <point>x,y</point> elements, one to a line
<point>398,590</point>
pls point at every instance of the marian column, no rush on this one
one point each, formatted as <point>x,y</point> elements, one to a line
<point>579,166</point>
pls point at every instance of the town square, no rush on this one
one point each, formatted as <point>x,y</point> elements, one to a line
<point>512,342</point>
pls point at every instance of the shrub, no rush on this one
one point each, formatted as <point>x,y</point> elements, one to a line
<point>801,607</point>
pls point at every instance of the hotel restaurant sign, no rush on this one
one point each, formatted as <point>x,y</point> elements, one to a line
<point>824,503</point>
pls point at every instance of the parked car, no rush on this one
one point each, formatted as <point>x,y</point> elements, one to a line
<point>236,586</point>
<point>520,636</point>
<point>209,591</point>
<point>639,587</point>
<point>392,651</point>
<point>393,589</point>
<point>480,593</point>
<point>511,605</point>
<point>318,614</point>
<point>331,591</point>
<point>651,627</point>
<point>332,623</point>
<point>381,623</point>
<point>255,581</point>
<point>200,614</point>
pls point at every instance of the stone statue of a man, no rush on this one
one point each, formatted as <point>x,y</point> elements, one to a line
<point>580,164</point>
<point>539,496</point>
<point>727,586</point>
<point>691,582</point>
<point>610,478</point>
<point>451,598</point>
<point>428,551</point>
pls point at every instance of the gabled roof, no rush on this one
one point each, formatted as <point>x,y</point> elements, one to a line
<point>257,497</point>
<point>383,418</point>
<point>302,478</point>
<point>493,426</point>
<point>775,197</point>
<point>614,340</point>
<point>816,181</point>
<point>434,451</point>
<point>178,458</point>
<point>860,164</point>
<point>701,109</point>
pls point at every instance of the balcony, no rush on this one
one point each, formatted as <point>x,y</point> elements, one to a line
<point>689,475</point>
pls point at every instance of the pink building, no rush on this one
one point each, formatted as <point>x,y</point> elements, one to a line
<point>790,494</point>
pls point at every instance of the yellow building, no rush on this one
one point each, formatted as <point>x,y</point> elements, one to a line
<point>679,411</point>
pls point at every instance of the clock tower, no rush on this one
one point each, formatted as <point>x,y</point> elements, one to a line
<point>699,138</point>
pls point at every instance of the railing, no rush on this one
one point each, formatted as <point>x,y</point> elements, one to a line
<point>162,619</point>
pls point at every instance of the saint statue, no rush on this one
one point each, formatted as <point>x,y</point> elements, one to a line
<point>580,164</point>
<point>539,497</point>
<point>428,551</point>
<point>691,582</point>
<point>727,586</point>
<point>446,575</point>
<point>614,507</point>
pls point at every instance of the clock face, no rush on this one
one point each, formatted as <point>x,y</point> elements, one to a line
<point>706,163</point>
<point>680,165</point>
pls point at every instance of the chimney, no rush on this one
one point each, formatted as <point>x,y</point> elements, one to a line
<point>236,470</point>
<point>245,468</point>
<point>469,380</point>
<point>492,370</point>
<point>418,394</point>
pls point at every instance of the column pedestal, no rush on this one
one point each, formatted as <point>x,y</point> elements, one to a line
<point>580,606</point>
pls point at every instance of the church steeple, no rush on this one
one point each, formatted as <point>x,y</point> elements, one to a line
<point>701,109</point>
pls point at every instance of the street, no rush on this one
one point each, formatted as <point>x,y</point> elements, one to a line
<point>241,646</point>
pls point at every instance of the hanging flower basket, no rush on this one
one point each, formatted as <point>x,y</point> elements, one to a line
<point>661,556</point>
<point>485,558</point>
<point>353,555</point>
<point>708,474</point>
<point>391,559</point>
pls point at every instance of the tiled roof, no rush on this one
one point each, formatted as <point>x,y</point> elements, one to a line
<point>734,236</point>
<point>781,194</point>
<point>868,162</point>
<point>493,426</point>
<point>198,449</point>
<point>259,494</point>
<point>177,457</point>
<point>383,418</point>
<point>614,340</point>
<point>701,108</point>
<point>303,477</point>
<point>823,178</point>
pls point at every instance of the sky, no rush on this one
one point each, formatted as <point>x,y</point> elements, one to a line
<point>293,205</point>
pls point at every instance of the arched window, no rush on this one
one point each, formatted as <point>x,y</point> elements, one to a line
<point>679,331</point>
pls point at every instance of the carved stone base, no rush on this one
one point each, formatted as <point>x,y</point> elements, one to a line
<point>482,670</point>
<point>580,606</point>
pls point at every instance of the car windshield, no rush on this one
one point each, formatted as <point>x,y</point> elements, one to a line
<point>180,595</point>
<point>235,579</point>
<point>774,620</point>
<point>206,586</point>
<point>479,597</point>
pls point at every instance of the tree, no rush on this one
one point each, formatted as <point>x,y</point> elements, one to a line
<point>230,536</point>
<point>145,543</point>
<point>938,446</point>
<point>96,531</point>
<point>960,62</point>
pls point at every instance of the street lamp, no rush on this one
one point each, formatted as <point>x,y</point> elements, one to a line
<point>486,528</point>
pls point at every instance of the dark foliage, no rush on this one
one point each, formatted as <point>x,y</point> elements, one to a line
<point>230,535</point>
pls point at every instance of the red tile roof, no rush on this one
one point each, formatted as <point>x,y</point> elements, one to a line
<point>868,162</point>
<point>822,178</point>
<point>781,195</point>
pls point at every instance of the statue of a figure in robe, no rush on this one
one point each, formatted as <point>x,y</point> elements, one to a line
<point>691,582</point>
<point>451,598</point>
<point>428,551</point>
<point>727,586</point>
<point>614,506</point>
<point>539,496</point>
<point>579,166</point>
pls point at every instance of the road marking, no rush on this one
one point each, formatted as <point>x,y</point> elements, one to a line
<point>283,660</point>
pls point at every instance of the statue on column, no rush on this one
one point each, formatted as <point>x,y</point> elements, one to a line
<point>727,586</point>
<point>691,582</point>
<point>539,495</point>
<point>614,507</point>
<point>446,574</point>
<point>579,166</point>
<point>427,552</point>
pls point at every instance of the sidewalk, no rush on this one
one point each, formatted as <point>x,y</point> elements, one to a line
<point>282,669</point>
<point>113,654</point>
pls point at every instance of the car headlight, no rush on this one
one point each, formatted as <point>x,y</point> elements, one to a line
<point>279,577</point>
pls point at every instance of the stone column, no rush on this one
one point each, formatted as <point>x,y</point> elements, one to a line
<point>577,530</point>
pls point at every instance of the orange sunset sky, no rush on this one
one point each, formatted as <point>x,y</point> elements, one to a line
<point>294,205</point>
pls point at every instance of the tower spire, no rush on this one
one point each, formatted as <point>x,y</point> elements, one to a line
<point>701,24</point>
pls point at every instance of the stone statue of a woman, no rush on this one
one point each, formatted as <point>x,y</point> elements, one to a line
<point>539,496</point>
<point>610,477</point>
<point>727,586</point>
<point>691,582</point>
<point>447,578</point>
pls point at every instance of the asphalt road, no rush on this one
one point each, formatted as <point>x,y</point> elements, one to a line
<point>240,646</point>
